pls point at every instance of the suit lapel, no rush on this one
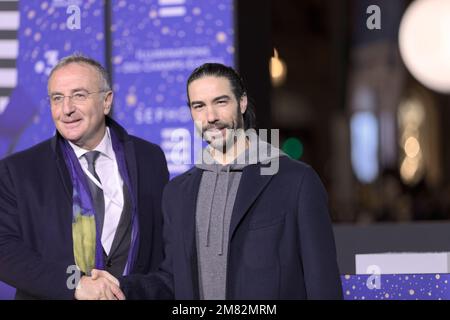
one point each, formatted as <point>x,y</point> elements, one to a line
<point>124,223</point>
<point>251,185</point>
<point>189,203</point>
<point>62,169</point>
<point>131,162</point>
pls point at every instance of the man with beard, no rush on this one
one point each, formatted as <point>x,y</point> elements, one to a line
<point>230,230</point>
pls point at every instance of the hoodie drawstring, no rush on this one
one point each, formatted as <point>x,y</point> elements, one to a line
<point>210,208</point>
<point>223,213</point>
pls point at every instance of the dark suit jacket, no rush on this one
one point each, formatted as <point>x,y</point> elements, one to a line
<point>36,245</point>
<point>281,239</point>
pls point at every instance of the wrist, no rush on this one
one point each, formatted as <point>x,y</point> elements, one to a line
<point>78,287</point>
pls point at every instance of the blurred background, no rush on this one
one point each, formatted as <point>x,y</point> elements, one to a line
<point>366,104</point>
<point>359,89</point>
<point>369,113</point>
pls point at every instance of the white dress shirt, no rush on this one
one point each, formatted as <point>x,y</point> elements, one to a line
<point>111,184</point>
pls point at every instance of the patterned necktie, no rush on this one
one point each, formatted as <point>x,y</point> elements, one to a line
<point>91,157</point>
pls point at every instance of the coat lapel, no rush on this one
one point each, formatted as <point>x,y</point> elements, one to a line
<point>124,223</point>
<point>130,159</point>
<point>251,185</point>
<point>188,222</point>
<point>130,155</point>
<point>190,205</point>
<point>62,169</point>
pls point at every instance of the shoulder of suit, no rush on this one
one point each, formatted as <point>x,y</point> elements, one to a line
<point>39,151</point>
<point>180,179</point>
<point>290,166</point>
<point>300,171</point>
<point>142,144</point>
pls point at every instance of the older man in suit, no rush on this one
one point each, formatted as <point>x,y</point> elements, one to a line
<point>90,197</point>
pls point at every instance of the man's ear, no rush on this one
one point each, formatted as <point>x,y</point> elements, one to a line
<point>107,103</point>
<point>243,103</point>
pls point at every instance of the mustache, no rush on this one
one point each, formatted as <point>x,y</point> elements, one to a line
<point>216,126</point>
<point>70,120</point>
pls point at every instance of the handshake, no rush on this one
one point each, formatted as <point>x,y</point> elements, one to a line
<point>101,285</point>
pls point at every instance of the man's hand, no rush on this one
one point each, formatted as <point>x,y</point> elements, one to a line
<point>100,286</point>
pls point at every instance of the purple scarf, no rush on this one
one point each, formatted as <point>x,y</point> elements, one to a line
<point>83,208</point>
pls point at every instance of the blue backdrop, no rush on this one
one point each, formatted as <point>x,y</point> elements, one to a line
<point>155,44</point>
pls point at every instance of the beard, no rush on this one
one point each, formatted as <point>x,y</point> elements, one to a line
<point>221,135</point>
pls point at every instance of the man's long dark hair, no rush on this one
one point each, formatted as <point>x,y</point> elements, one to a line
<point>237,86</point>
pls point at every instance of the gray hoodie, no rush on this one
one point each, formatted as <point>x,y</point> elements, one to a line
<point>215,202</point>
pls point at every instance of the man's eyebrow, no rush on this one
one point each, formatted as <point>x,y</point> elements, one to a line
<point>79,89</point>
<point>227,97</point>
<point>71,91</point>
<point>196,102</point>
